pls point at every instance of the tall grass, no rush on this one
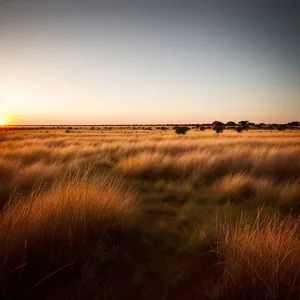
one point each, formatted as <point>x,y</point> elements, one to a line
<point>213,162</point>
<point>53,220</point>
<point>261,259</point>
<point>51,228</point>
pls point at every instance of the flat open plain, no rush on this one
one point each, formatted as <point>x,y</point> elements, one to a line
<point>123,213</point>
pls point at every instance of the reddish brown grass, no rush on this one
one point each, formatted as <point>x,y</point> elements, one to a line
<point>49,229</point>
<point>261,259</point>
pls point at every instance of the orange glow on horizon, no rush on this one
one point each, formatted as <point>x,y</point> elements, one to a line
<point>4,120</point>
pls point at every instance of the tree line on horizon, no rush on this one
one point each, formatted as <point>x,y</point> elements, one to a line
<point>218,126</point>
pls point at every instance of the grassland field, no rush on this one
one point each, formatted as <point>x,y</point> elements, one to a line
<point>118,213</point>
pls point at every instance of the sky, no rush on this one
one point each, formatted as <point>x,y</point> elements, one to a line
<point>149,61</point>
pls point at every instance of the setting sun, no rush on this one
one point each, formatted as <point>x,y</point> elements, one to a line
<point>3,121</point>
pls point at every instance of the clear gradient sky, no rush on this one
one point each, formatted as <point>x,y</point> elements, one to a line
<point>149,61</point>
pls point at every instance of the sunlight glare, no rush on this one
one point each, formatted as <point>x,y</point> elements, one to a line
<point>2,121</point>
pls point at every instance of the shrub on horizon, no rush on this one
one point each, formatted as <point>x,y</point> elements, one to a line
<point>281,128</point>
<point>218,128</point>
<point>181,129</point>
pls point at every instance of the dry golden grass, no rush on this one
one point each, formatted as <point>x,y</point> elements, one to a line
<point>206,166</point>
<point>239,187</point>
<point>51,228</point>
<point>268,161</point>
<point>261,259</point>
<point>54,219</point>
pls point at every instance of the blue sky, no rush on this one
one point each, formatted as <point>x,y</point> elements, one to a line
<point>74,62</point>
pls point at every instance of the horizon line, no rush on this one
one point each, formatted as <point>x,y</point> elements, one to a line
<point>141,124</point>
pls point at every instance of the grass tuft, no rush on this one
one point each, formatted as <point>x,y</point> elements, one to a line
<point>261,259</point>
<point>51,228</point>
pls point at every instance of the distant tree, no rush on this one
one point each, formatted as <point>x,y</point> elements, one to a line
<point>70,128</point>
<point>270,127</point>
<point>202,128</point>
<point>281,127</point>
<point>68,131</point>
<point>244,125</point>
<point>261,125</point>
<point>164,128</point>
<point>294,124</point>
<point>218,128</point>
<point>217,123</point>
<point>181,129</point>
<point>230,123</point>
